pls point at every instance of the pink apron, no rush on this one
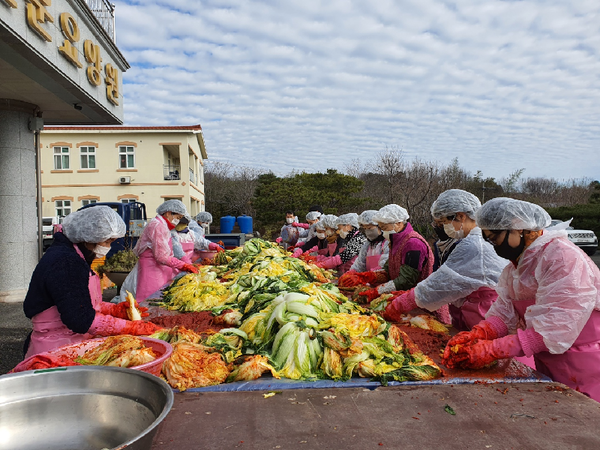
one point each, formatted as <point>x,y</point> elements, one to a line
<point>49,332</point>
<point>188,249</point>
<point>331,248</point>
<point>578,367</point>
<point>474,308</point>
<point>152,275</point>
<point>373,257</point>
<point>345,267</point>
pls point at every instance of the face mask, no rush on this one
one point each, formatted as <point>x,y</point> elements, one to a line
<point>372,233</point>
<point>329,233</point>
<point>320,235</point>
<point>386,234</point>
<point>441,234</point>
<point>181,226</point>
<point>507,252</point>
<point>343,233</point>
<point>175,222</point>
<point>452,233</point>
<point>101,251</point>
<point>205,226</point>
<point>289,220</point>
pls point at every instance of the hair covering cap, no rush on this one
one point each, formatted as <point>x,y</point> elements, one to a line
<point>93,225</point>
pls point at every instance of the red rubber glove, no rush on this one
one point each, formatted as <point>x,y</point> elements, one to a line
<point>492,328</point>
<point>400,305</point>
<point>215,247</point>
<point>190,268</point>
<point>301,225</point>
<point>369,295</point>
<point>104,325</point>
<point>479,354</point>
<point>120,309</point>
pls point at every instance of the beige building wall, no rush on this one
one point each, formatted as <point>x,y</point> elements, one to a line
<point>118,164</point>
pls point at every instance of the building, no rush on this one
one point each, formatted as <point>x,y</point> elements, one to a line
<point>82,165</point>
<point>59,64</point>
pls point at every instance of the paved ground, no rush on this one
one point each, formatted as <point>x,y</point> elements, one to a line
<point>14,328</point>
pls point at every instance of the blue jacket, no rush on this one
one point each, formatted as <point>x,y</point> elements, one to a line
<point>61,279</point>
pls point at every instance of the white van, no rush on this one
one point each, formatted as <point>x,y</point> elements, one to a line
<point>48,224</point>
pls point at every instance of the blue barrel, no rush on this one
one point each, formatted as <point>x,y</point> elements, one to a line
<point>245,224</point>
<point>227,223</point>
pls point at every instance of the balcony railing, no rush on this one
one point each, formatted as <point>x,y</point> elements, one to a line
<point>105,13</point>
<point>171,172</point>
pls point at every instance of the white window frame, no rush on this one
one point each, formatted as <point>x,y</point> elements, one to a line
<point>126,150</point>
<point>62,206</point>
<point>85,151</point>
<point>59,157</point>
<point>88,201</point>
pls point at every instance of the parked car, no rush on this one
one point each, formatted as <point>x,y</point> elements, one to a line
<point>584,239</point>
<point>134,216</point>
<point>48,224</point>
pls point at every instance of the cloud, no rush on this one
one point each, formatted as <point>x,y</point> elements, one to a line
<point>311,85</point>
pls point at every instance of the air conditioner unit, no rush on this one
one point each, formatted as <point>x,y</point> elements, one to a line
<point>125,180</point>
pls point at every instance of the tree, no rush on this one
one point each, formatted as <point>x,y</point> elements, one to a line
<point>510,184</point>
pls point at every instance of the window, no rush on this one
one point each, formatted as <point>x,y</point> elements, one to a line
<point>86,202</point>
<point>63,207</point>
<point>126,157</point>
<point>61,158</point>
<point>88,157</point>
<point>128,200</point>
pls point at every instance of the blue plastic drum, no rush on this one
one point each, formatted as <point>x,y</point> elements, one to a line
<point>245,224</point>
<point>227,223</point>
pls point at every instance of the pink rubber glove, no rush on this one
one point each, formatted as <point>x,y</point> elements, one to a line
<point>301,225</point>
<point>215,247</point>
<point>297,253</point>
<point>119,309</point>
<point>104,325</point>
<point>278,240</point>
<point>400,305</point>
<point>321,258</point>
<point>331,262</point>
<point>492,328</point>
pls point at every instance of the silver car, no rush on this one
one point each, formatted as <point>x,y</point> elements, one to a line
<point>584,239</point>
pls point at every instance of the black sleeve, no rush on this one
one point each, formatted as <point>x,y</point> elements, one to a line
<point>67,286</point>
<point>412,259</point>
<point>310,244</point>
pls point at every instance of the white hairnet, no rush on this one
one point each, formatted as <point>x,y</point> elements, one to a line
<point>454,201</point>
<point>347,219</point>
<point>93,225</point>
<point>320,225</point>
<point>329,220</point>
<point>509,214</point>
<point>366,217</point>
<point>313,215</point>
<point>174,206</point>
<point>473,264</point>
<point>391,214</point>
<point>204,217</point>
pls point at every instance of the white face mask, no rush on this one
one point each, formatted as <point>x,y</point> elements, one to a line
<point>175,222</point>
<point>451,232</point>
<point>343,233</point>
<point>289,220</point>
<point>372,233</point>
<point>101,250</point>
<point>329,233</point>
<point>386,234</point>
<point>321,235</point>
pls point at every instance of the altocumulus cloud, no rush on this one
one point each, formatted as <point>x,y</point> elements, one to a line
<point>311,85</point>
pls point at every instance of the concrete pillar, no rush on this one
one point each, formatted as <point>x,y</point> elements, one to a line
<point>18,210</point>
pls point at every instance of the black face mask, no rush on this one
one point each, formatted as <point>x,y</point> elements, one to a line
<point>507,252</point>
<point>441,234</point>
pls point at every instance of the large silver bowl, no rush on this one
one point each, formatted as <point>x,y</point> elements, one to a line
<point>81,408</point>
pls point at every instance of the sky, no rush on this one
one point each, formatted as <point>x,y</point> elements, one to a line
<point>309,85</point>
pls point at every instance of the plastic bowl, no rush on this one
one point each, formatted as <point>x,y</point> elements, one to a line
<point>161,348</point>
<point>206,254</point>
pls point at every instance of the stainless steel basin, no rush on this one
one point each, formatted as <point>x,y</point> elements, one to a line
<point>81,408</point>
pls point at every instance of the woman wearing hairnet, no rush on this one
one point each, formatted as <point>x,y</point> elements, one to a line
<point>347,225</point>
<point>548,300</point>
<point>64,300</point>
<point>195,235</point>
<point>466,281</point>
<point>410,258</point>
<point>317,244</point>
<point>157,264</point>
<point>312,217</point>
<point>373,254</point>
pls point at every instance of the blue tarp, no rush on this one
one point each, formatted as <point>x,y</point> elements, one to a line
<point>273,384</point>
